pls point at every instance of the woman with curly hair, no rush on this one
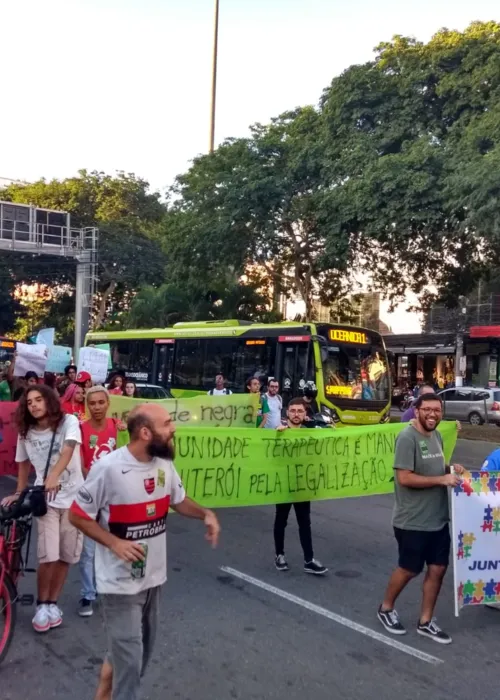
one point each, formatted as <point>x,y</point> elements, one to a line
<point>50,442</point>
<point>116,382</point>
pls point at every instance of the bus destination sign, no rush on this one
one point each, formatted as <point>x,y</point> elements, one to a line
<point>341,335</point>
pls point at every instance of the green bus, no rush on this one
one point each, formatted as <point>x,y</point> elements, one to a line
<point>348,365</point>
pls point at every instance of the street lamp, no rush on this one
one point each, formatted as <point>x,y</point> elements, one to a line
<point>214,78</point>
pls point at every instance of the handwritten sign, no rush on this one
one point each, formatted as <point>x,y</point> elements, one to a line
<point>107,348</point>
<point>235,411</point>
<point>244,467</point>
<point>58,358</point>
<point>30,358</point>
<point>8,437</point>
<point>476,533</point>
<point>95,362</point>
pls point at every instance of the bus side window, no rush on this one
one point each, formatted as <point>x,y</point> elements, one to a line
<point>188,366</point>
<point>220,356</point>
<point>134,356</point>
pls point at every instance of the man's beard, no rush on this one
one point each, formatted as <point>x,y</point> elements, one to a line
<point>159,448</point>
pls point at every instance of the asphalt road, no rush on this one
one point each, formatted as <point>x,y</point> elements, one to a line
<point>241,634</point>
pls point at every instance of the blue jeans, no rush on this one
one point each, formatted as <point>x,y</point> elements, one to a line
<point>87,569</point>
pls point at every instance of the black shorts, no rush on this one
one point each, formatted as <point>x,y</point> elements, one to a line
<point>417,548</point>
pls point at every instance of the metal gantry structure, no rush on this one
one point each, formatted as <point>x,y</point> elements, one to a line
<point>29,229</point>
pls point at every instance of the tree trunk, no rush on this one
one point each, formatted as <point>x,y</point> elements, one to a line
<point>101,314</point>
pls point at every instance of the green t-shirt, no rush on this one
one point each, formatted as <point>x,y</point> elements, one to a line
<point>420,509</point>
<point>263,408</point>
<point>4,390</point>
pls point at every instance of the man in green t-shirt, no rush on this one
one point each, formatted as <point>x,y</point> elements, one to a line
<point>420,517</point>
<point>253,386</point>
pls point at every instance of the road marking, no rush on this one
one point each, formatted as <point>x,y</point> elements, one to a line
<point>339,619</point>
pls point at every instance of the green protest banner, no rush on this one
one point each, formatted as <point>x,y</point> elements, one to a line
<point>234,411</point>
<point>251,467</point>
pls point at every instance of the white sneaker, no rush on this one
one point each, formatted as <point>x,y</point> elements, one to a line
<point>41,621</point>
<point>55,615</point>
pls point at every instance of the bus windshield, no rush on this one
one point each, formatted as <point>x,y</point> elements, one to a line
<point>355,366</point>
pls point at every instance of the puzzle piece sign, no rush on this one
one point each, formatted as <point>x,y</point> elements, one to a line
<point>476,539</point>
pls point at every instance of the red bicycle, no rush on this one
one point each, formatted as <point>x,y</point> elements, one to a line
<point>15,539</point>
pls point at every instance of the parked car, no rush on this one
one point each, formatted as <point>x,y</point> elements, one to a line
<point>152,391</point>
<point>471,404</point>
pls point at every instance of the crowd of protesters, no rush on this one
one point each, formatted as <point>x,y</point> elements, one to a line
<point>99,498</point>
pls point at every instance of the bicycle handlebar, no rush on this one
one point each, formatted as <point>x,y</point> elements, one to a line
<point>21,507</point>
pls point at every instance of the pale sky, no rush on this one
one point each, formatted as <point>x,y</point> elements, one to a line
<point>125,84</point>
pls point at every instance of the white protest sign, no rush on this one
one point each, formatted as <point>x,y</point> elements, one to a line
<point>95,362</point>
<point>45,336</point>
<point>30,358</point>
<point>58,359</point>
<point>476,539</point>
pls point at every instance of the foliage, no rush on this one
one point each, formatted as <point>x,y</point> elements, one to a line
<point>126,214</point>
<point>258,202</point>
<point>172,303</point>
<point>413,155</point>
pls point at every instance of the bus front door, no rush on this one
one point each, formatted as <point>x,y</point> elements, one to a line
<point>294,367</point>
<point>164,361</point>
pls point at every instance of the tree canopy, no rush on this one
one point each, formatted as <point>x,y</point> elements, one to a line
<point>129,255</point>
<point>392,179</point>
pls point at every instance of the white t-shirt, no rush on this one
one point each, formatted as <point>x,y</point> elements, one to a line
<point>35,448</point>
<point>131,500</point>
<point>219,392</point>
<point>275,404</point>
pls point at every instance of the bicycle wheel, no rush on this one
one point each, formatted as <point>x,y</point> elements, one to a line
<point>7,615</point>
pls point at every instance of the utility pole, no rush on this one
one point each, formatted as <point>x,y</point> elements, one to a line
<point>459,351</point>
<point>214,78</point>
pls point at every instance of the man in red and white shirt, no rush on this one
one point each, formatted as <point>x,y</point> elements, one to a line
<point>123,506</point>
<point>99,436</point>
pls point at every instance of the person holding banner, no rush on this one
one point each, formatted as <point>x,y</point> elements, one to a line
<point>123,506</point>
<point>253,387</point>
<point>421,517</point>
<point>296,418</point>
<point>49,441</point>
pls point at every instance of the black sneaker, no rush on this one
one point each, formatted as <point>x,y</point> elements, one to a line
<point>85,608</point>
<point>281,563</point>
<point>315,567</point>
<point>431,630</point>
<point>390,620</point>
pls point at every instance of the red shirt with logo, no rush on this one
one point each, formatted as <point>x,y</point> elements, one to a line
<point>74,409</point>
<point>97,444</point>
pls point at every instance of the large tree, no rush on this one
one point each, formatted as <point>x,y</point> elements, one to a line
<point>413,145</point>
<point>127,215</point>
<point>257,201</point>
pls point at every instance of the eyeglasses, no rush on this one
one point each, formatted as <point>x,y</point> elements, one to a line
<point>428,411</point>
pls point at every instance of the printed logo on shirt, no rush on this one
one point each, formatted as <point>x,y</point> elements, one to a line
<point>149,485</point>
<point>93,441</point>
<point>136,521</point>
<point>104,449</point>
<point>424,448</point>
<point>161,478</point>
<point>85,496</point>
